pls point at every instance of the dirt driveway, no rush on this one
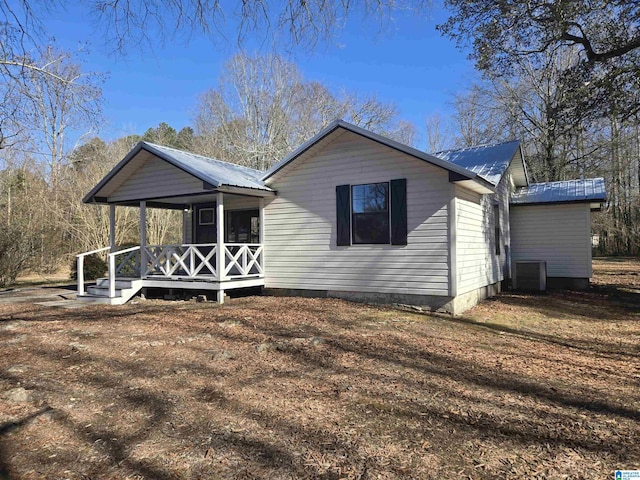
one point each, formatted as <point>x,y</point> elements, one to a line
<point>519,387</point>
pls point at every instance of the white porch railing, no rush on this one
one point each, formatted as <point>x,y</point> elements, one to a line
<point>80,267</point>
<point>187,261</point>
<point>129,266</point>
<point>243,260</point>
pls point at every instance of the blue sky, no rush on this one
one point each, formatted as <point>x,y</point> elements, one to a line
<point>411,66</point>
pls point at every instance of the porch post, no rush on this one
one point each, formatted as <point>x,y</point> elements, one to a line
<point>143,239</point>
<point>261,220</point>
<point>112,227</point>
<point>221,256</point>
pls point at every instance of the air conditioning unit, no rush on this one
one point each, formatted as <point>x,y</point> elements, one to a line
<point>530,275</point>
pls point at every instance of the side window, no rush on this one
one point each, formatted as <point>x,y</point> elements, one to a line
<point>370,213</point>
<point>496,223</point>
<point>373,213</point>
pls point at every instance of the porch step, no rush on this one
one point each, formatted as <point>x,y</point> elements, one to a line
<point>102,291</point>
<point>99,293</point>
<point>120,282</point>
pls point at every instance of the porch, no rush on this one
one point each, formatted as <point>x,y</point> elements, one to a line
<point>218,266</point>
<point>222,244</point>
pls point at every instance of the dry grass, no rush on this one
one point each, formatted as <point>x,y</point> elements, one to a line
<point>519,387</point>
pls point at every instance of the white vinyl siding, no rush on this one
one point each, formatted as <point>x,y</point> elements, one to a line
<point>156,178</point>
<point>557,234</point>
<point>300,224</point>
<point>476,261</point>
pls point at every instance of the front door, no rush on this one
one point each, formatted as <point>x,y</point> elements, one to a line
<point>204,223</point>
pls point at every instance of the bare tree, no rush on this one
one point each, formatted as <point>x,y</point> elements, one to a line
<point>438,133</point>
<point>67,102</point>
<point>262,109</point>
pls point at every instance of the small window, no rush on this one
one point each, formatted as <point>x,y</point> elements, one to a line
<point>496,223</point>
<point>370,213</point>
<point>206,216</point>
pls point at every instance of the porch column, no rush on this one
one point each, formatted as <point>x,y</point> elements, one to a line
<point>112,227</point>
<point>143,239</point>
<point>221,256</point>
<point>261,220</point>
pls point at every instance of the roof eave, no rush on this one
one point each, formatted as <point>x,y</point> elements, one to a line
<point>599,201</point>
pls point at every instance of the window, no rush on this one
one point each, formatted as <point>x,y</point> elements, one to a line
<point>496,224</point>
<point>242,226</point>
<point>370,213</point>
<point>206,216</point>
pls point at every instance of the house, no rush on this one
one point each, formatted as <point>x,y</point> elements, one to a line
<point>349,214</point>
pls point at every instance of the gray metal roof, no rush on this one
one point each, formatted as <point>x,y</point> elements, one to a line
<point>465,174</point>
<point>488,161</point>
<point>215,172</point>
<point>570,191</point>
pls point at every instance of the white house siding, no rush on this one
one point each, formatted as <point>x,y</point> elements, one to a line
<point>300,224</point>
<point>156,178</point>
<point>558,234</point>
<point>476,261</point>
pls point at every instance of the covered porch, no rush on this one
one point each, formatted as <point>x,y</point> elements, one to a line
<point>222,225</point>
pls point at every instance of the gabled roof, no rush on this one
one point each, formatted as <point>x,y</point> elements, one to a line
<point>589,190</point>
<point>488,161</point>
<point>213,172</point>
<point>460,174</point>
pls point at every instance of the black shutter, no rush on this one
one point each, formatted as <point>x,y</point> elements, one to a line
<point>399,211</point>
<point>343,214</point>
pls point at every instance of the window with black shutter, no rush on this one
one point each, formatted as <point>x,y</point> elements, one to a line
<point>370,213</point>
<point>373,213</point>
<point>343,215</point>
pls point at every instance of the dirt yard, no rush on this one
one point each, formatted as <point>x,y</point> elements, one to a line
<point>519,387</point>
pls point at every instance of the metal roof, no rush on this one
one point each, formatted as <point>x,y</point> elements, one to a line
<point>569,191</point>
<point>214,172</point>
<point>488,161</point>
<point>464,174</point>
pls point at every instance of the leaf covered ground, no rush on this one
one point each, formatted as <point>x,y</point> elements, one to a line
<point>522,386</point>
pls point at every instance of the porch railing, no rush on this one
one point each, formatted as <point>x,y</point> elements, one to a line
<point>128,266</point>
<point>80,267</point>
<point>243,260</point>
<point>188,261</point>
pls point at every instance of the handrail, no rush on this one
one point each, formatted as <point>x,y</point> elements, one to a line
<point>84,254</point>
<point>126,250</point>
<point>80,267</point>
<point>112,268</point>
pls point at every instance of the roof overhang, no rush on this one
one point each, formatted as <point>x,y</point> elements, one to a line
<point>594,205</point>
<point>518,168</point>
<point>461,176</point>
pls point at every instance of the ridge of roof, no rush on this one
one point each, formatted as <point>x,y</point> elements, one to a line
<point>482,145</point>
<point>489,161</point>
<point>249,170</point>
